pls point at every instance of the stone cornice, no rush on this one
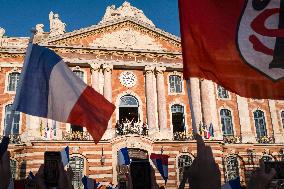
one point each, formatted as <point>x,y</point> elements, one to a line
<point>128,64</point>
<point>110,23</point>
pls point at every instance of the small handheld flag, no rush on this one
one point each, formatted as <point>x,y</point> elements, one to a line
<point>161,163</point>
<point>232,184</point>
<point>89,183</point>
<point>123,156</point>
<point>65,156</point>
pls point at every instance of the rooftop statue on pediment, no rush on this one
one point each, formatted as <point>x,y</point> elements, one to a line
<point>39,28</point>
<point>125,10</point>
<point>57,27</point>
<point>2,32</point>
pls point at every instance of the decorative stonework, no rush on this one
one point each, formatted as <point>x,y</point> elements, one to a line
<point>2,32</point>
<point>125,10</point>
<point>127,38</point>
<point>39,29</point>
<point>57,27</point>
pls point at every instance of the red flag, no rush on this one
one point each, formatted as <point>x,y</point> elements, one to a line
<point>238,44</point>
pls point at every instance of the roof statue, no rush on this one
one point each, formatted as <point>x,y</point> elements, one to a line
<point>125,10</point>
<point>57,27</point>
<point>2,31</point>
<point>39,28</point>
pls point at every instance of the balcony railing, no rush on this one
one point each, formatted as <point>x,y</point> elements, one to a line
<point>14,138</point>
<point>232,139</point>
<point>131,128</point>
<point>77,136</point>
<point>265,140</point>
<point>182,136</point>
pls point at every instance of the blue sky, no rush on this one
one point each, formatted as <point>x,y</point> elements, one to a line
<point>17,17</point>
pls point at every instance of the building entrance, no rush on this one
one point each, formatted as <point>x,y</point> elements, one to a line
<point>139,170</point>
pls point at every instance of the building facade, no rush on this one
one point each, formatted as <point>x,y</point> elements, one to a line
<point>138,67</point>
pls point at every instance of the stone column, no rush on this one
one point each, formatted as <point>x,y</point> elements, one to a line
<point>150,100</point>
<point>209,108</point>
<point>107,69</point>
<point>246,131</point>
<point>279,137</point>
<point>95,68</point>
<point>162,108</point>
<point>196,100</point>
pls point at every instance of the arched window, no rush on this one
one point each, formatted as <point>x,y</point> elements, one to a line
<point>183,161</point>
<point>232,168</point>
<point>77,165</point>
<point>282,118</point>
<point>79,73</point>
<point>13,165</point>
<point>13,80</point>
<point>222,92</point>
<point>178,118</point>
<point>128,101</point>
<point>267,158</point>
<point>175,84</point>
<point>260,125</point>
<point>16,120</point>
<point>226,121</point>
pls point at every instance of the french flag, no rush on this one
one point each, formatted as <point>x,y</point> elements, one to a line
<point>65,156</point>
<point>123,156</point>
<point>232,184</point>
<point>161,163</point>
<point>49,89</point>
<point>89,183</point>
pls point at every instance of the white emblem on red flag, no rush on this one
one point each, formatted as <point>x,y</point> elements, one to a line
<point>261,36</point>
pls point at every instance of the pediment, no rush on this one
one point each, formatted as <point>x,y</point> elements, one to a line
<point>126,35</point>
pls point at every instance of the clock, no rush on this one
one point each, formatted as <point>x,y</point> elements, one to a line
<point>127,79</point>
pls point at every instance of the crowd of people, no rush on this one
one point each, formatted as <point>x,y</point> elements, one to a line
<point>204,173</point>
<point>126,126</point>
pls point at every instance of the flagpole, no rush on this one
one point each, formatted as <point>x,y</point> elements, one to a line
<point>8,129</point>
<point>194,127</point>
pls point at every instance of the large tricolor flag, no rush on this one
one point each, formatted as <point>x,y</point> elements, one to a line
<point>49,89</point>
<point>238,44</point>
<point>161,163</point>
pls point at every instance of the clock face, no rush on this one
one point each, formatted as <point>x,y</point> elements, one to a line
<point>127,79</point>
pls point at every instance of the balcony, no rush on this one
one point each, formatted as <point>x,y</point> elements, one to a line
<point>182,136</point>
<point>232,139</point>
<point>14,138</point>
<point>265,140</point>
<point>131,128</point>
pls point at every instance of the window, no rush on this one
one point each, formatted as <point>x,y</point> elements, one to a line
<point>267,158</point>
<point>259,122</point>
<point>232,168</point>
<point>222,92</point>
<point>183,161</point>
<point>13,80</point>
<point>79,73</point>
<point>226,121</point>
<point>178,118</point>
<point>282,118</point>
<point>13,165</point>
<point>16,120</point>
<point>77,165</point>
<point>175,84</point>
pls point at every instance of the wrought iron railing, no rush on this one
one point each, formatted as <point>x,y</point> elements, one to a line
<point>14,138</point>
<point>77,136</point>
<point>136,128</point>
<point>232,139</point>
<point>265,140</point>
<point>182,136</point>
